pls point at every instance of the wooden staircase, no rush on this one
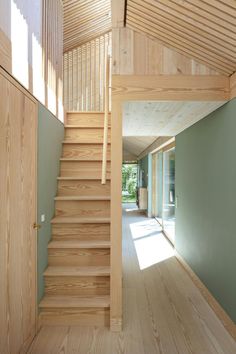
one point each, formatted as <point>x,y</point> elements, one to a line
<point>77,280</point>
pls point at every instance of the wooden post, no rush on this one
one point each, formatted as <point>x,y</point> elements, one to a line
<point>106,113</point>
<point>116,217</point>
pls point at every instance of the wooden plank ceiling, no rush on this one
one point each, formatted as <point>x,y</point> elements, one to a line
<point>133,146</point>
<point>163,118</point>
<point>201,29</point>
<point>85,20</point>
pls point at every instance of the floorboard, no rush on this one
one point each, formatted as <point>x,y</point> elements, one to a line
<point>164,312</point>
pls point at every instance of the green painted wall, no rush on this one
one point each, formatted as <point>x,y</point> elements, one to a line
<point>206,213</point>
<point>50,136</point>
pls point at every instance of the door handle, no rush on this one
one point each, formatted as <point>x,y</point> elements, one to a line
<point>36,226</point>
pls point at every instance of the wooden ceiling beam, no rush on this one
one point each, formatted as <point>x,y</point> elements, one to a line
<point>170,87</point>
<point>118,13</point>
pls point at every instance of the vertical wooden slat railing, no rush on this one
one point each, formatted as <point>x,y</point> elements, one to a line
<point>106,120</point>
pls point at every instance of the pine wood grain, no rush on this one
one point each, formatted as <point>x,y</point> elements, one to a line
<point>82,208</point>
<point>84,151</point>
<point>79,254</point>
<point>82,169</point>
<point>83,188</point>
<point>86,119</point>
<point>79,244</point>
<point>85,135</point>
<point>62,256</point>
<point>83,232</point>
<point>196,29</point>
<point>86,285</point>
<point>164,312</point>
<point>18,119</point>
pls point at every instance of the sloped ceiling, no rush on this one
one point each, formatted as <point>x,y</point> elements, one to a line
<point>134,145</point>
<point>200,29</point>
<point>85,20</point>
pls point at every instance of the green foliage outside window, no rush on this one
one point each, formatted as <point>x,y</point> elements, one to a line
<point>129,182</point>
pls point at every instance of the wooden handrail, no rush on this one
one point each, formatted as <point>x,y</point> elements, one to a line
<point>106,121</point>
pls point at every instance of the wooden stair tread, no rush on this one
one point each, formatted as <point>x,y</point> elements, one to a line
<point>86,112</point>
<point>83,198</point>
<point>78,126</point>
<point>74,301</point>
<point>90,178</point>
<point>83,160</point>
<point>72,142</point>
<point>79,244</point>
<point>80,220</point>
<point>52,271</point>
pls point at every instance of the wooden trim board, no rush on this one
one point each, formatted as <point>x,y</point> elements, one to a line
<point>116,218</point>
<point>157,145</point>
<point>233,86</point>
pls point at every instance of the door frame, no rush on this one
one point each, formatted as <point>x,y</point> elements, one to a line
<point>144,88</point>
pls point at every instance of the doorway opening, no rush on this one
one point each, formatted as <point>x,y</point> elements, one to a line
<point>163,189</point>
<point>129,183</point>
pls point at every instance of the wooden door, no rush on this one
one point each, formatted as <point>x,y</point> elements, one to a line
<point>18,119</point>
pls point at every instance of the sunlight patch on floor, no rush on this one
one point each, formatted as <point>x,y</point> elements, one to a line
<point>150,244</point>
<point>144,228</point>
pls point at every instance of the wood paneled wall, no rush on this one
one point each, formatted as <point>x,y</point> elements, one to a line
<point>18,122</point>
<point>53,55</point>
<point>136,54</point>
<point>84,75</point>
<point>31,39</point>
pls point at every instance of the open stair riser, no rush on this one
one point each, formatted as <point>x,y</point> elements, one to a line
<point>84,151</point>
<point>75,317</point>
<point>77,280</point>
<point>87,209</point>
<point>91,119</point>
<point>85,135</point>
<point>83,188</point>
<point>77,285</point>
<point>62,232</point>
<point>83,169</point>
<point>79,257</point>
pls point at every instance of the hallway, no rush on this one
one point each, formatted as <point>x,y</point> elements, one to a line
<point>164,312</point>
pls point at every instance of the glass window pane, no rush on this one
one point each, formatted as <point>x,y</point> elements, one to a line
<point>168,212</point>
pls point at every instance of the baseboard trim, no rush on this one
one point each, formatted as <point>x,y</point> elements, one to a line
<point>227,322</point>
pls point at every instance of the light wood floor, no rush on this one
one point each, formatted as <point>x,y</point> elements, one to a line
<point>164,312</point>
